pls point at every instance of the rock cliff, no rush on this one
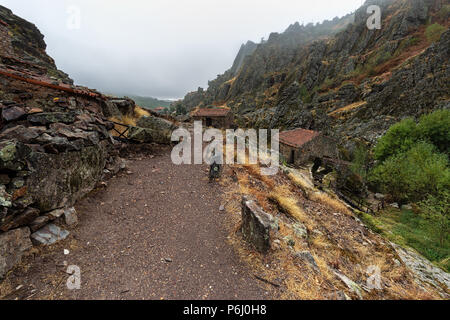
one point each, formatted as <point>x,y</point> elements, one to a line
<point>339,77</point>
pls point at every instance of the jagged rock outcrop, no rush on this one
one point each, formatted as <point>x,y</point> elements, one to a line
<point>339,77</point>
<point>246,50</point>
<point>21,40</point>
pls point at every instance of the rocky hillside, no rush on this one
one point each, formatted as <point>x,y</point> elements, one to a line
<point>339,77</point>
<point>21,39</point>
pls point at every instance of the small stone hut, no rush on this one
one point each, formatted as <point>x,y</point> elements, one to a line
<point>218,117</point>
<point>300,146</point>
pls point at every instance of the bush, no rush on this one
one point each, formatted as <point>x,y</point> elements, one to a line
<point>436,208</point>
<point>434,32</point>
<point>361,160</point>
<point>399,138</point>
<point>435,129</point>
<point>414,174</point>
<point>432,128</point>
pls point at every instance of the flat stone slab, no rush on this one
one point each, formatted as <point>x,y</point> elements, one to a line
<point>48,235</point>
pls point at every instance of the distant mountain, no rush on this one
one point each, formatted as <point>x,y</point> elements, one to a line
<point>149,102</point>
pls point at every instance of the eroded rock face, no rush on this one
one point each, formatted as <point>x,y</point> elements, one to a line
<point>13,245</point>
<point>352,85</point>
<point>256,225</point>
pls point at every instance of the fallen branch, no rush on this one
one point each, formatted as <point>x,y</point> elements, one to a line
<point>267,281</point>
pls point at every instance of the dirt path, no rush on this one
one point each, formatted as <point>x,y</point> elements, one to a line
<point>156,232</point>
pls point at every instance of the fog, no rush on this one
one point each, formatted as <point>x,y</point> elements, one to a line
<point>160,48</point>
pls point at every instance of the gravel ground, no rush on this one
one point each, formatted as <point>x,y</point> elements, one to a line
<point>156,232</point>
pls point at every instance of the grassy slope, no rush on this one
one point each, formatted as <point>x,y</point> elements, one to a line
<point>407,228</point>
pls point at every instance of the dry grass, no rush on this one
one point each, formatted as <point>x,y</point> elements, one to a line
<point>129,120</point>
<point>336,241</point>
<point>348,108</point>
<point>140,112</point>
<point>301,182</point>
<point>328,201</point>
<point>288,203</point>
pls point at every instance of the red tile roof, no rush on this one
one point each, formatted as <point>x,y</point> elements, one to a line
<point>298,137</point>
<point>211,112</point>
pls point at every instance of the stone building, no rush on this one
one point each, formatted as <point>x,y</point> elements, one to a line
<point>299,147</point>
<point>218,117</point>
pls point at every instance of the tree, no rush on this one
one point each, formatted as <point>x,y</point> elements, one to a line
<point>436,208</point>
<point>435,128</point>
<point>399,138</point>
<point>432,128</point>
<point>360,163</point>
<point>414,174</point>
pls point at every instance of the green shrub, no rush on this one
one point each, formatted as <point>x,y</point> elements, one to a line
<point>399,138</point>
<point>434,32</point>
<point>432,128</point>
<point>435,128</point>
<point>360,163</point>
<point>305,95</point>
<point>414,174</point>
<point>436,208</point>
<point>409,42</point>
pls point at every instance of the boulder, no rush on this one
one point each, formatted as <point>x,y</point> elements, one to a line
<point>59,180</point>
<point>163,126</point>
<point>55,214</point>
<point>13,113</point>
<point>353,286</point>
<point>13,245</point>
<point>12,154</point>
<point>143,135</point>
<point>256,225</point>
<point>22,134</point>
<point>125,106</point>
<point>5,198</point>
<point>152,130</point>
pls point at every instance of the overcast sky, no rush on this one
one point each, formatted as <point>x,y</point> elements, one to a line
<point>161,48</point>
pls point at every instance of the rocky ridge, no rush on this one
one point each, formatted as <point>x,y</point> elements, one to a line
<point>353,83</point>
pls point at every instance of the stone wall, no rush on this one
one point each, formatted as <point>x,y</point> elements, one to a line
<point>54,148</point>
